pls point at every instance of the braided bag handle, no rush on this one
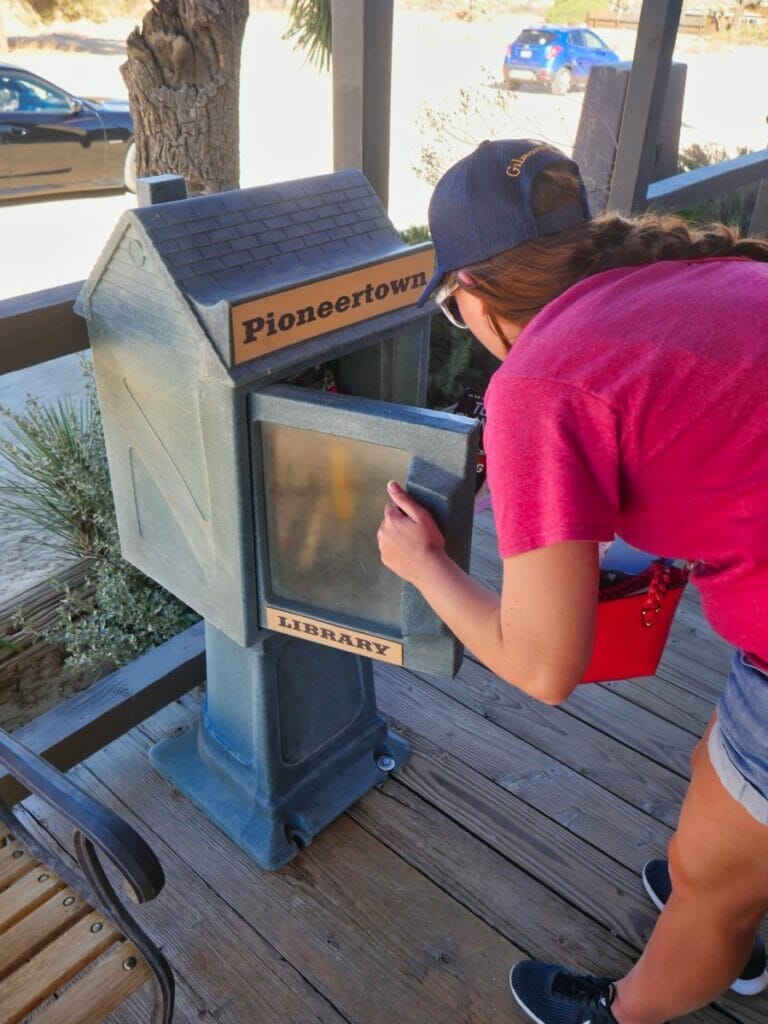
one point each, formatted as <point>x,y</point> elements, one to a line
<point>658,577</point>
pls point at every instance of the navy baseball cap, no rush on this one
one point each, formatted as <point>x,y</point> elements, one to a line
<point>482,205</point>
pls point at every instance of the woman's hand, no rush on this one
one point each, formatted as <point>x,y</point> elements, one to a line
<point>410,541</point>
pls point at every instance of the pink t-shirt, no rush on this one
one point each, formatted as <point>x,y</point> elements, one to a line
<point>637,404</point>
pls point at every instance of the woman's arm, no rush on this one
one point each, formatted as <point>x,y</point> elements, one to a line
<point>538,635</point>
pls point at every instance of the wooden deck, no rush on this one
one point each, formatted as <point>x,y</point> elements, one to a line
<point>514,830</point>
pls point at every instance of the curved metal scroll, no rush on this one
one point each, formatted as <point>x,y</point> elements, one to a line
<point>93,826</point>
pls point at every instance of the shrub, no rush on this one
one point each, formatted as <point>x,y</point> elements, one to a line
<point>56,478</point>
<point>451,132</point>
<point>734,207</point>
<point>572,12</point>
<point>456,360</point>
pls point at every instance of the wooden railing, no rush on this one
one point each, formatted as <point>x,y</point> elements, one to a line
<point>683,190</point>
<point>40,326</point>
<point>34,329</point>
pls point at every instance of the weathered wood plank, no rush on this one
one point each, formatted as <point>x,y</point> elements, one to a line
<point>666,702</point>
<point>579,873</point>
<point>195,928</point>
<point>635,729</point>
<point>684,190</point>
<point>40,326</point>
<point>644,104</point>
<point>54,965</point>
<point>188,1007</point>
<point>91,998</point>
<point>366,930</point>
<point>502,821</point>
<point>25,895</point>
<point>487,883</point>
<point>37,929</point>
<point>575,802</point>
<point>599,743</point>
<point>87,722</point>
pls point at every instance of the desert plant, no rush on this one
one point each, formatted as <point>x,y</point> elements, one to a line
<point>452,131</point>
<point>573,12</point>
<point>47,11</point>
<point>309,24</point>
<point>55,475</point>
<point>734,207</point>
<point>56,478</point>
<point>456,360</point>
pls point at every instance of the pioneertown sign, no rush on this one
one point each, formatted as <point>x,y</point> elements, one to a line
<point>263,325</point>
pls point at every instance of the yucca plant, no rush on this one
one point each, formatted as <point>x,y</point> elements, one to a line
<point>310,27</point>
<point>55,476</point>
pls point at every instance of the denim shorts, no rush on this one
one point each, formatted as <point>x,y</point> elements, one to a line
<point>738,744</point>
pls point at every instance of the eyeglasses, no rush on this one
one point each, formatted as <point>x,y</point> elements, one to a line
<point>445,297</point>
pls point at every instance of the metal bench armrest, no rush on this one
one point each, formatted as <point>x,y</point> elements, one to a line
<point>95,829</point>
<point>108,833</point>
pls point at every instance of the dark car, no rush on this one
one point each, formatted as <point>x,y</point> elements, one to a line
<point>51,141</point>
<point>555,56</point>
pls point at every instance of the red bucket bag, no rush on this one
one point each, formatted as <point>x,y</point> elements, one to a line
<point>634,617</point>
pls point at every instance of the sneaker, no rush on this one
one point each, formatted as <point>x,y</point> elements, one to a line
<point>550,994</point>
<point>753,979</point>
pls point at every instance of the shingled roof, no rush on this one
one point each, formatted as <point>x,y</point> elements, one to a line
<point>233,245</point>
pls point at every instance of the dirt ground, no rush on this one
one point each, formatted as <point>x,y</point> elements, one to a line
<point>286,133</point>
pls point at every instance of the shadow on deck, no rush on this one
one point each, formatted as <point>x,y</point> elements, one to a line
<point>514,830</point>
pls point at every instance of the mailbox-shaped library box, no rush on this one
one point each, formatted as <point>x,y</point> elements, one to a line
<point>261,368</point>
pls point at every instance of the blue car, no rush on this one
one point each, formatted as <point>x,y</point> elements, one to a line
<point>557,57</point>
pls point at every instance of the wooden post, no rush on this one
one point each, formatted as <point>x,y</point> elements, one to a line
<point>656,34</point>
<point>362,72</point>
<point>758,225</point>
<point>600,123</point>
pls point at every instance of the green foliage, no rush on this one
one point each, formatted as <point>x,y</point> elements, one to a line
<point>415,234</point>
<point>456,360</point>
<point>735,207</point>
<point>127,615</point>
<point>56,475</point>
<point>570,12</point>
<point>451,132</point>
<point>56,478</point>
<point>67,10</point>
<point>310,27</point>
<point>48,11</point>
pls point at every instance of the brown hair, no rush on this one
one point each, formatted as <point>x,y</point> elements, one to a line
<point>517,284</point>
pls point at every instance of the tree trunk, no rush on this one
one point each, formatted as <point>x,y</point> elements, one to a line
<point>183,80</point>
<point>738,15</point>
<point>3,37</point>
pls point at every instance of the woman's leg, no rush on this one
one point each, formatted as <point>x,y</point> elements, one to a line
<point>718,862</point>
